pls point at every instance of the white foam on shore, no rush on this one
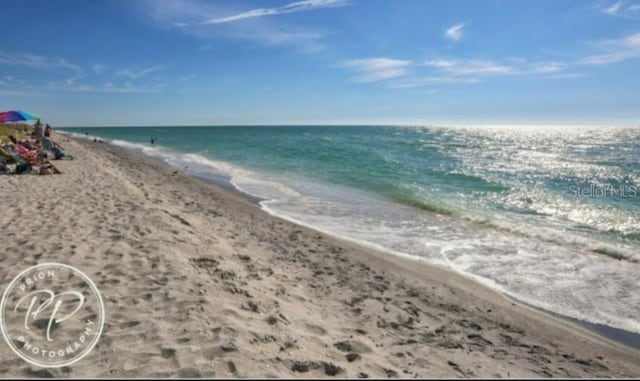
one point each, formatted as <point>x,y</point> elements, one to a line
<point>76,135</point>
<point>566,279</point>
<point>561,274</point>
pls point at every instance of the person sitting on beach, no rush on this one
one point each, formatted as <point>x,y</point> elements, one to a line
<point>47,130</point>
<point>30,145</point>
<point>24,163</point>
<point>55,148</point>
<point>55,143</point>
<point>10,155</point>
<point>25,150</point>
<point>48,169</point>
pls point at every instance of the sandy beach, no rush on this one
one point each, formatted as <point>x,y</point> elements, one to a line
<point>198,281</point>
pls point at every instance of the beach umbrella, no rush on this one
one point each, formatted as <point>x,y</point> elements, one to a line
<point>16,116</point>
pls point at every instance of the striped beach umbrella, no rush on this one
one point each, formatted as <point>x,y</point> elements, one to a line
<point>16,116</point>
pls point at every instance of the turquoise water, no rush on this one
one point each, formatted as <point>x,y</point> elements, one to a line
<point>548,215</point>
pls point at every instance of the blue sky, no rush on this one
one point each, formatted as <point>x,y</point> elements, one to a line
<point>92,63</point>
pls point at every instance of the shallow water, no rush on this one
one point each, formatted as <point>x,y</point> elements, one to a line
<point>547,215</point>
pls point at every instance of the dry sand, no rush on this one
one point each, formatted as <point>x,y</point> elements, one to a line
<point>198,281</point>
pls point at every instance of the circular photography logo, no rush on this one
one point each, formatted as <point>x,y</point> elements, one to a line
<point>51,315</point>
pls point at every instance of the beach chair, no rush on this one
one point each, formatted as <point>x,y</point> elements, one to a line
<point>9,154</point>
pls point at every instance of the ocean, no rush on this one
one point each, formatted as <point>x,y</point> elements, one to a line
<point>548,215</point>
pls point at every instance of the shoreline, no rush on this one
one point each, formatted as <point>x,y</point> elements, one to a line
<point>618,335</point>
<point>310,298</point>
<point>615,335</point>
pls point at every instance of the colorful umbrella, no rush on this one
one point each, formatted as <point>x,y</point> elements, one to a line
<point>16,116</point>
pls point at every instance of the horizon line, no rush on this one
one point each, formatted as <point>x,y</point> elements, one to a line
<point>363,125</point>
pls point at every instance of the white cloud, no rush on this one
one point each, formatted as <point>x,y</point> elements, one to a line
<point>135,74</point>
<point>26,93</point>
<point>461,67</point>
<point>547,67</point>
<point>455,32</point>
<point>431,81</point>
<point>487,68</point>
<point>98,68</point>
<point>448,71</point>
<point>613,9</point>
<point>39,62</point>
<point>108,87</point>
<point>298,6</point>
<point>566,76</point>
<point>70,81</point>
<point>188,15</point>
<point>9,79</point>
<point>621,9</point>
<point>36,61</point>
<point>377,69</point>
<point>617,50</point>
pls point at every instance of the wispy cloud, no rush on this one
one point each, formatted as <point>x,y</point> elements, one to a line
<point>72,77</point>
<point>62,66</point>
<point>548,67</point>
<point>36,61</point>
<point>217,21</point>
<point>461,67</point>
<point>23,93</point>
<point>398,73</point>
<point>139,73</point>
<point>616,50</point>
<point>108,87</point>
<point>299,6</point>
<point>98,68</point>
<point>455,32</point>
<point>58,89</point>
<point>613,9</point>
<point>622,9</point>
<point>488,68</point>
<point>431,81</point>
<point>70,81</point>
<point>11,80</point>
<point>566,76</point>
<point>377,69</point>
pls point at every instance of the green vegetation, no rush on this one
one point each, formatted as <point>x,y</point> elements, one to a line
<point>20,131</point>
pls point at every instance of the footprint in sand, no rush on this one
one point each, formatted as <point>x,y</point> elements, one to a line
<point>352,346</point>
<point>128,324</point>
<point>316,329</point>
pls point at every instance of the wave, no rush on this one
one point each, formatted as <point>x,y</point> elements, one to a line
<point>419,202</point>
<point>592,281</point>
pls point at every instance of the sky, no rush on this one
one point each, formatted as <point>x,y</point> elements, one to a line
<point>446,62</point>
